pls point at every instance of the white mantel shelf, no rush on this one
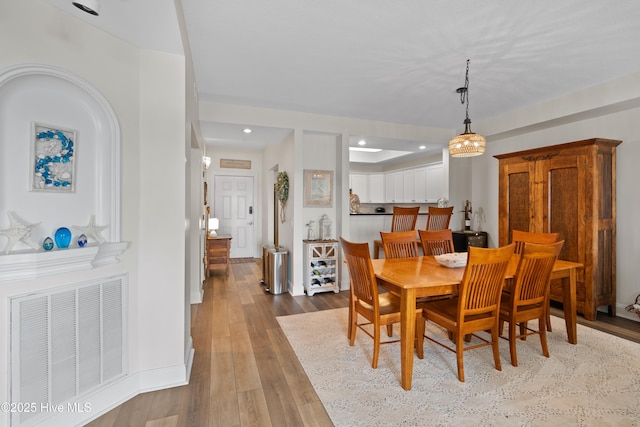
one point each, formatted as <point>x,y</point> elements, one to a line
<point>36,264</point>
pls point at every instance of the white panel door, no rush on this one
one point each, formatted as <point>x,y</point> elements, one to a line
<point>233,206</point>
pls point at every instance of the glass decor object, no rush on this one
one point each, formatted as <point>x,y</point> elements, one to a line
<point>63,237</point>
<point>82,240</point>
<point>47,244</point>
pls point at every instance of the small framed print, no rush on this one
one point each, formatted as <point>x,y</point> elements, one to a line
<point>318,185</point>
<point>53,152</point>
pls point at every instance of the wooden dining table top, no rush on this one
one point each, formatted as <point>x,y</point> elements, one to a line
<point>427,276</point>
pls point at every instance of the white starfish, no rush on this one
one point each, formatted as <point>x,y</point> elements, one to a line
<point>92,230</point>
<point>18,231</point>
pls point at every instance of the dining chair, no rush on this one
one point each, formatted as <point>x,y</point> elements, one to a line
<point>438,218</point>
<point>403,219</point>
<point>436,242</point>
<point>400,244</point>
<point>377,308</point>
<point>475,308</point>
<point>520,237</point>
<point>529,296</point>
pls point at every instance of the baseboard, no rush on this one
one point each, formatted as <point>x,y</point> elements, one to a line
<point>114,394</point>
<point>621,311</point>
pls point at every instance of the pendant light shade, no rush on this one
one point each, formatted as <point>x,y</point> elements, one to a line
<point>467,144</point>
<point>90,6</point>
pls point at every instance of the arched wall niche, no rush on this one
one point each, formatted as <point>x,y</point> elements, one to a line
<point>44,94</point>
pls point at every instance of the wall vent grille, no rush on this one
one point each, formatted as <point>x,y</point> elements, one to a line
<point>65,343</point>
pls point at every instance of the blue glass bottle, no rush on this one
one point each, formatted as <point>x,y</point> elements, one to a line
<point>47,244</point>
<point>63,237</point>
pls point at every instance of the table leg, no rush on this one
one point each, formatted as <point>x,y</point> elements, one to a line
<point>407,335</point>
<point>569,305</point>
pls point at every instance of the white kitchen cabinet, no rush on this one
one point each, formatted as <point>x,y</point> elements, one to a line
<point>359,184</point>
<point>376,188</point>
<point>435,183</point>
<point>415,185</point>
<point>394,187</point>
<point>368,187</point>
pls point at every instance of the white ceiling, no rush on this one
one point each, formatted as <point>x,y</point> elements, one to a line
<point>382,60</point>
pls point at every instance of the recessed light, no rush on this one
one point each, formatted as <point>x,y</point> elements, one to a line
<point>247,130</point>
<point>422,147</point>
<point>362,142</point>
<point>368,150</point>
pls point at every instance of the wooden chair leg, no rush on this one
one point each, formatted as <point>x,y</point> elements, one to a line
<point>420,328</point>
<point>376,345</point>
<point>390,330</point>
<point>548,316</point>
<point>512,342</point>
<point>460,356</point>
<point>496,348</point>
<point>543,335</point>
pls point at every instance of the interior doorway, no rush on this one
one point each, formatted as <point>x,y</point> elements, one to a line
<point>234,207</point>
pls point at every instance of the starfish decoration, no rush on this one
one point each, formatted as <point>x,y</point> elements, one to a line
<point>18,231</point>
<point>92,230</point>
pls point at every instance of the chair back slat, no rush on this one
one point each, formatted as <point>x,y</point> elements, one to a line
<point>436,242</point>
<point>439,218</point>
<point>531,283</point>
<point>399,244</point>
<point>483,281</point>
<point>404,219</point>
<point>521,237</point>
<point>361,275</point>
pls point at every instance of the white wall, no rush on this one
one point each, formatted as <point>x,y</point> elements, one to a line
<point>147,92</point>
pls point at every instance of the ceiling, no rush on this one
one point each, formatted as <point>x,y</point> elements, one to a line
<point>397,62</point>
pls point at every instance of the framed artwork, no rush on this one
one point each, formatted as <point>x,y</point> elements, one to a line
<point>53,151</point>
<point>318,185</point>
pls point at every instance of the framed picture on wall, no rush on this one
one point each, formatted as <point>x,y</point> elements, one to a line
<point>318,186</point>
<point>53,152</point>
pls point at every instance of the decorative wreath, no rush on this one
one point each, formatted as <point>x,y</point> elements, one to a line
<point>282,192</point>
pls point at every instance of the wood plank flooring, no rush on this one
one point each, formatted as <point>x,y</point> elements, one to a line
<point>244,371</point>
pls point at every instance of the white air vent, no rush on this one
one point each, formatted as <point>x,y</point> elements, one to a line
<point>65,343</point>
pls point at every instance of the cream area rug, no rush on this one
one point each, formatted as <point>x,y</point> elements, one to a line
<point>593,383</point>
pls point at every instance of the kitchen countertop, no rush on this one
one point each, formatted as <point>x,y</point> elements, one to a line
<point>381,213</point>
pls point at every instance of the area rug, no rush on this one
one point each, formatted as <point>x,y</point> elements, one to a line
<point>593,383</point>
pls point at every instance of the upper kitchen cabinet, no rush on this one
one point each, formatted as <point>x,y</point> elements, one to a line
<point>368,187</point>
<point>422,184</point>
<point>394,187</point>
<point>568,189</point>
<point>435,186</point>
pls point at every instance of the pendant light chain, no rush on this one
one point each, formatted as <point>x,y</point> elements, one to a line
<point>464,94</point>
<point>468,143</point>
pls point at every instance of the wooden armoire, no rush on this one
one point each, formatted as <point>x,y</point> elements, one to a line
<point>568,189</point>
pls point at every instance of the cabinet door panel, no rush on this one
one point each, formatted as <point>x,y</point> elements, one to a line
<point>564,214</point>
<point>516,199</point>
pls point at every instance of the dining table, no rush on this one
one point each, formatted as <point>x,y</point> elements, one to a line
<point>422,276</point>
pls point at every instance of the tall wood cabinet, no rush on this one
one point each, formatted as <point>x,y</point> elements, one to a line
<point>568,189</point>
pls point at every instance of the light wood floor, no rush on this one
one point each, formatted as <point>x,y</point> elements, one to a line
<point>244,371</point>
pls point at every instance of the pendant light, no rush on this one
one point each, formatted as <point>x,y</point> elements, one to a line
<point>467,144</point>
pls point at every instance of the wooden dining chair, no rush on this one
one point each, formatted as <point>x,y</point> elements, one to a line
<point>529,296</point>
<point>474,309</point>
<point>438,218</point>
<point>378,309</point>
<point>400,244</point>
<point>520,238</point>
<point>436,242</point>
<point>403,219</point>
